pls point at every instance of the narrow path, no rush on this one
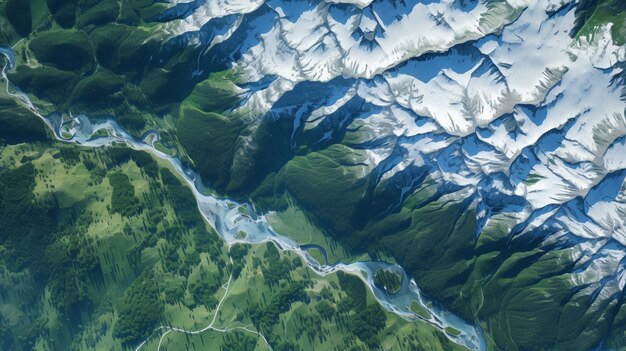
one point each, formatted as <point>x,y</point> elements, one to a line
<point>209,327</point>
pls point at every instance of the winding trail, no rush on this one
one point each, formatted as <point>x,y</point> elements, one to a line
<point>207,328</point>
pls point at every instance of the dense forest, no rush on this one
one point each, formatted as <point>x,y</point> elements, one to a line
<point>101,246</point>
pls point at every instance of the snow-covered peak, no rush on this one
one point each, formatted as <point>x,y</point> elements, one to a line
<point>495,98</point>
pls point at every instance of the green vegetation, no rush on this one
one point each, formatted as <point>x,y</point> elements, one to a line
<point>147,164</point>
<point>333,172</point>
<point>46,82</point>
<point>355,290</point>
<point>99,270</point>
<point>420,310</point>
<point>98,90</point>
<point>241,235</point>
<point>98,58</point>
<point>63,12</point>
<point>238,341</point>
<point>388,280</point>
<point>139,312</point>
<point>65,50</point>
<point>532,179</point>
<point>215,94</point>
<point>104,11</point>
<point>590,14</point>
<point>488,278</point>
<point>79,276</point>
<point>71,262</point>
<point>301,311</point>
<point>17,125</point>
<point>452,331</point>
<point>18,13</point>
<point>294,223</point>
<point>76,276</point>
<point>107,244</point>
<point>208,136</point>
<point>123,200</point>
<point>367,323</point>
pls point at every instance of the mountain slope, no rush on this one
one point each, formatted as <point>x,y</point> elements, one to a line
<point>479,143</point>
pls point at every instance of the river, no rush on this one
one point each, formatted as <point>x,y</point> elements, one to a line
<point>224,215</point>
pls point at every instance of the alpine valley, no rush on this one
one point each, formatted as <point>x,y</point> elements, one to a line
<point>313,175</point>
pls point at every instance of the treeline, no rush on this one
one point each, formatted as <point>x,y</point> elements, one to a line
<point>18,125</point>
<point>352,314</point>
<point>123,200</point>
<point>236,340</point>
<point>72,264</point>
<point>42,239</point>
<point>388,280</point>
<point>140,310</point>
<point>586,8</point>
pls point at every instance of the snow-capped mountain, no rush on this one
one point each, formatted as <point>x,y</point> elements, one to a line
<point>482,143</point>
<point>496,102</point>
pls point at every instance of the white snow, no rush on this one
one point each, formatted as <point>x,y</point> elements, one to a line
<point>510,89</point>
